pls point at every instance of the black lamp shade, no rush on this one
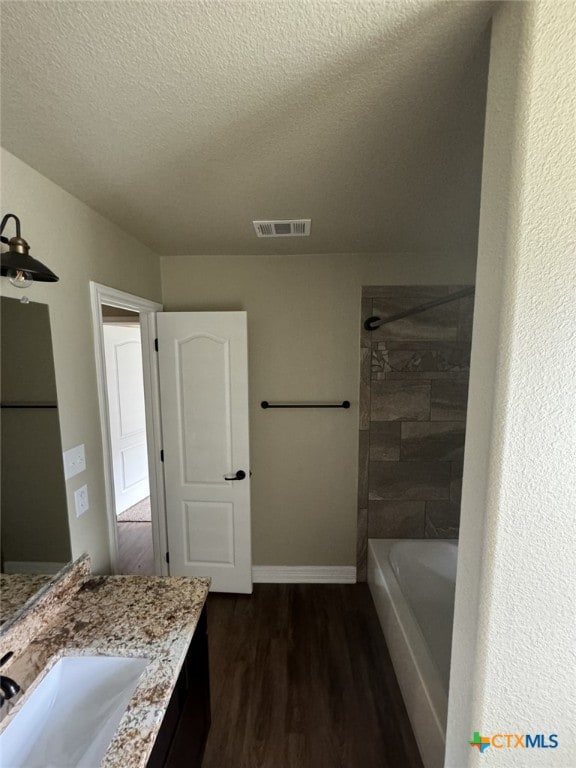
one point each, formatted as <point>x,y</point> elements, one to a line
<point>16,263</point>
<point>13,261</point>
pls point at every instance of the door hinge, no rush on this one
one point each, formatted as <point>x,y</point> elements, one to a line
<point>162,455</point>
<point>168,557</point>
<point>156,345</point>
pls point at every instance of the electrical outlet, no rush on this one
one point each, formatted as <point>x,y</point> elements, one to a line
<point>81,500</point>
<point>74,461</point>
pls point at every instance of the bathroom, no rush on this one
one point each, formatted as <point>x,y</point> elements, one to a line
<point>305,315</point>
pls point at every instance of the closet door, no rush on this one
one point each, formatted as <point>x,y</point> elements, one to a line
<point>125,386</point>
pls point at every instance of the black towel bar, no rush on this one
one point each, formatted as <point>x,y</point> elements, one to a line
<point>344,404</point>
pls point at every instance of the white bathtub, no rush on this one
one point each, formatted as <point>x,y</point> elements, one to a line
<point>412,583</point>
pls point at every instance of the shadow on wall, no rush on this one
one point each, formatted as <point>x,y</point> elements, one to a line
<point>413,395</point>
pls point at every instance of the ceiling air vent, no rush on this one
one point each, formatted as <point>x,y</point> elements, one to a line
<point>285,228</point>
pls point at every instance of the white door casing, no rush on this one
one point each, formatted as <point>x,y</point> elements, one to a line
<point>125,385</point>
<point>203,363</point>
<point>101,295</point>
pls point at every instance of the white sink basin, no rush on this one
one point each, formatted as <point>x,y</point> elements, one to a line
<point>72,716</point>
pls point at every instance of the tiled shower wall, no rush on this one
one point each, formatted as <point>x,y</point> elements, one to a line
<point>413,392</point>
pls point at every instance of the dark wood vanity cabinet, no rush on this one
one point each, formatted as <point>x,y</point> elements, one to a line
<point>182,737</point>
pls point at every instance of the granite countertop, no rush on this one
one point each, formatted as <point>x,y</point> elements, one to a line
<point>16,589</point>
<point>142,616</point>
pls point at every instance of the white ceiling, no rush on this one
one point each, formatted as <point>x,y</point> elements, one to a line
<point>184,121</point>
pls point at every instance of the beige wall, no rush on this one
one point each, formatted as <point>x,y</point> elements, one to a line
<point>303,335</point>
<point>304,317</point>
<point>515,629</point>
<point>78,245</point>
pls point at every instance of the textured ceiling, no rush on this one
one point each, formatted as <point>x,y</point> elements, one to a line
<point>184,121</point>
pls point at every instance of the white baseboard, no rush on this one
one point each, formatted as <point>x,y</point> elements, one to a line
<point>304,574</point>
<point>22,566</point>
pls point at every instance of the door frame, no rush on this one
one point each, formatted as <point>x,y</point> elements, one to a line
<point>103,294</point>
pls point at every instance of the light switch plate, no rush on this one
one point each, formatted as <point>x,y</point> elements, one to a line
<point>74,461</point>
<point>81,500</point>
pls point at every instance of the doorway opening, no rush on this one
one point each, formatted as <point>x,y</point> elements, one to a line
<point>128,445</point>
<point>124,333</point>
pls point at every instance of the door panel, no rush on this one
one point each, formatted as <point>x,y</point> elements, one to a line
<point>203,367</point>
<point>135,466</point>
<point>204,364</point>
<point>209,531</point>
<point>129,379</point>
<point>125,387</point>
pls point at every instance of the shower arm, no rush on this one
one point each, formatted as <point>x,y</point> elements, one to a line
<point>372,323</point>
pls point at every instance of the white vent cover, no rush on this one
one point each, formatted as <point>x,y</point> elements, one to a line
<point>284,228</point>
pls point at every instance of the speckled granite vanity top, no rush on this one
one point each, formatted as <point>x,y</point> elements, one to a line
<point>142,616</point>
<point>16,589</point>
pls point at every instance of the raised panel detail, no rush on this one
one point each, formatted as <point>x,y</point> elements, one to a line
<point>209,532</point>
<point>134,465</point>
<point>203,362</point>
<point>130,383</point>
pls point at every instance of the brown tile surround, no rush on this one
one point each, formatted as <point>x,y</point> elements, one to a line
<point>413,396</point>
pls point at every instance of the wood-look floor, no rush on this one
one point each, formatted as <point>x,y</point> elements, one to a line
<point>301,678</point>
<point>135,549</point>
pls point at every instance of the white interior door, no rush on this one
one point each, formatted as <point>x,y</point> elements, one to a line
<point>203,363</point>
<point>125,385</point>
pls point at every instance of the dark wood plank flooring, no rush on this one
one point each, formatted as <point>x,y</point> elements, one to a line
<point>301,678</point>
<point>135,549</point>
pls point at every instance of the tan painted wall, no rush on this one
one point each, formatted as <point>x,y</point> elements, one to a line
<point>303,335</point>
<point>514,626</point>
<point>79,245</point>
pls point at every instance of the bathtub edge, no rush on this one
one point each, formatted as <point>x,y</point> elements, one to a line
<point>423,697</point>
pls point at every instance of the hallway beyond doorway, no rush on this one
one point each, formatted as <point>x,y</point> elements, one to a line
<point>135,551</point>
<point>137,513</point>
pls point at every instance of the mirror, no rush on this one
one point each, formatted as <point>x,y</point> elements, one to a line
<point>35,539</point>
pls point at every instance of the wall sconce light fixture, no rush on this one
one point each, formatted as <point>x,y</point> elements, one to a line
<point>17,264</point>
